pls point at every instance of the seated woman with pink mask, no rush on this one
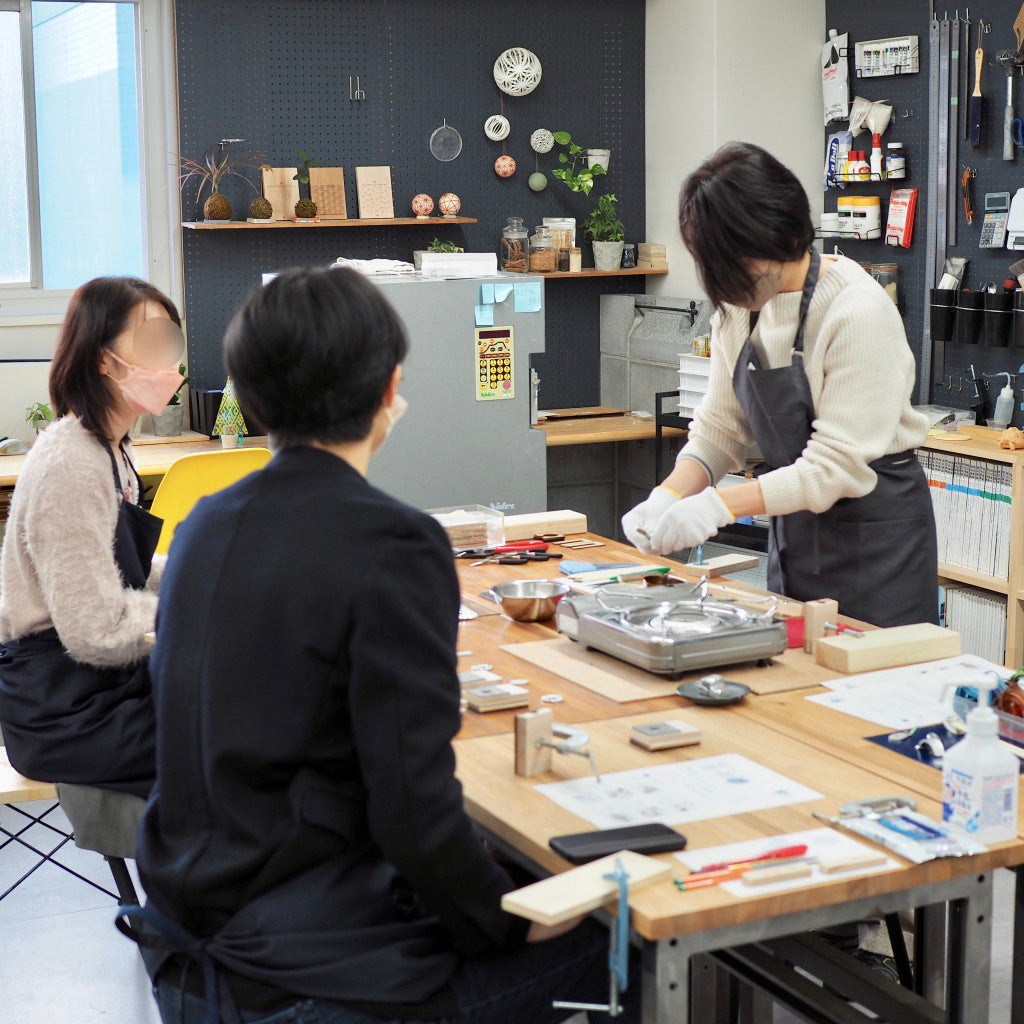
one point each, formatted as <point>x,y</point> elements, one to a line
<point>78,577</point>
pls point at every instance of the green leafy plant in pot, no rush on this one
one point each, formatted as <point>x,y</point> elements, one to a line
<point>216,165</point>
<point>305,208</point>
<point>39,416</point>
<point>606,232</point>
<point>435,246</point>
<point>171,421</point>
<point>581,180</point>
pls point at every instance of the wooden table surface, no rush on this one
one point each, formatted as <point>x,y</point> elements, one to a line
<point>598,429</point>
<point>823,749</point>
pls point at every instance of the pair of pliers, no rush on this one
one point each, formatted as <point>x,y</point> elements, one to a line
<point>550,538</point>
<point>522,557</point>
<point>515,547</point>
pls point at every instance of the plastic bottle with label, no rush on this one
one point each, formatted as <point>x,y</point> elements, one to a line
<point>980,776</point>
<point>1004,407</point>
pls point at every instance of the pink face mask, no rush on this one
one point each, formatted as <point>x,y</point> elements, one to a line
<point>147,390</point>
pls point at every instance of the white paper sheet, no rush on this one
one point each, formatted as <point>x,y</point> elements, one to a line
<point>707,787</point>
<point>905,697</point>
<point>820,842</point>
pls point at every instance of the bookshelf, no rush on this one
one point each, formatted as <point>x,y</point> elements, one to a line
<point>981,444</point>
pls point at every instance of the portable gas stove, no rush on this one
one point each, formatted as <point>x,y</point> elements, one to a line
<point>670,635</point>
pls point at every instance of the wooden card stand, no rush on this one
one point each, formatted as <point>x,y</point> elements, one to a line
<point>373,189</point>
<point>582,889</point>
<point>327,190</point>
<point>532,726</point>
<point>816,614</point>
<point>281,190</point>
<point>887,648</point>
<point>723,564</point>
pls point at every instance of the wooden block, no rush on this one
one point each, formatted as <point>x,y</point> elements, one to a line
<point>281,190</point>
<point>582,889</point>
<point>723,564</point>
<point>662,735</point>
<point>497,697</point>
<point>532,726</point>
<point>887,648</point>
<point>816,614</point>
<point>777,873</point>
<point>327,190</point>
<point>565,521</point>
<point>852,861</point>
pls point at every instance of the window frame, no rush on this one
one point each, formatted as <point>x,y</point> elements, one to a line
<point>32,305</point>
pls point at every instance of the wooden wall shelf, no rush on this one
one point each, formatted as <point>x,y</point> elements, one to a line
<point>591,272</point>
<point>352,222</point>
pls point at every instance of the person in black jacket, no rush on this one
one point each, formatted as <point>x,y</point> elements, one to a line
<point>305,851</point>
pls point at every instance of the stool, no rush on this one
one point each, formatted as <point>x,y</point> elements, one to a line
<point>105,821</point>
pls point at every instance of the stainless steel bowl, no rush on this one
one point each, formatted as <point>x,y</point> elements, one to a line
<point>528,600</point>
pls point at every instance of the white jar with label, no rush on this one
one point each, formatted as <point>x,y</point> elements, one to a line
<point>860,216</point>
<point>895,161</point>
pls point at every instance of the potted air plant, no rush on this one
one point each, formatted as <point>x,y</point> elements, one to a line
<point>171,420</point>
<point>581,180</point>
<point>216,165</point>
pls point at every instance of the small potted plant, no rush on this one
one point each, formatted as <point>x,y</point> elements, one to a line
<point>605,231</point>
<point>171,421</point>
<point>435,246</point>
<point>216,165</point>
<point>305,208</point>
<point>39,416</point>
<point>583,179</point>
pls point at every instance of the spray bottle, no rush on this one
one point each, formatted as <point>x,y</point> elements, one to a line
<point>980,775</point>
<point>1004,406</point>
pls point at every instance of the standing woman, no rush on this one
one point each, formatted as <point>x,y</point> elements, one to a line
<point>810,362</point>
<point>77,590</point>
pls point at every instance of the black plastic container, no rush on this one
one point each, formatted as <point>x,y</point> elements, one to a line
<point>998,319</point>
<point>1018,320</point>
<point>969,316</point>
<point>944,313</point>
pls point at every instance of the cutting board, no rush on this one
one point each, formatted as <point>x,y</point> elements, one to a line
<point>622,682</point>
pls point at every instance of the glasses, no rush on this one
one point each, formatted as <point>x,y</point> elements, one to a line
<point>157,344</point>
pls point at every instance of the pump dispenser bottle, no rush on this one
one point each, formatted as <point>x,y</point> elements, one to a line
<point>1004,407</point>
<point>980,776</point>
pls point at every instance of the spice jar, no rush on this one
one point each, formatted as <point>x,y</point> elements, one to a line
<point>515,247</point>
<point>895,161</point>
<point>542,251</point>
<point>628,256</point>
<point>563,260</point>
<point>575,259</point>
<point>888,276</point>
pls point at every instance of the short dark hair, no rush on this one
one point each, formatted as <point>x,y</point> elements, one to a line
<point>311,354</point>
<point>97,313</point>
<point>742,205</point>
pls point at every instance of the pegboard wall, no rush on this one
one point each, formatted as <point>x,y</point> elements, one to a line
<point>276,73</point>
<point>877,19</point>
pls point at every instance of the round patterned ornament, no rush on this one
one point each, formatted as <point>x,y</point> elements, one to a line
<point>541,141</point>
<point>496,127</point>
<point>422,205</point>
<point>504,166</point>
<point>517,71</point>
<point>449,204</point>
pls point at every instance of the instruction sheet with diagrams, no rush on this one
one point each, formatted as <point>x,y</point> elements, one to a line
<point>906,697</point>
<point>707,787</point>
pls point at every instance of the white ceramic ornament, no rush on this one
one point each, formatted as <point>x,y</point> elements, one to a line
<point>496,127</point>
<point>541,141</point>
<point>422,205</point>
<point>517,71</point>
<point>449,204</point>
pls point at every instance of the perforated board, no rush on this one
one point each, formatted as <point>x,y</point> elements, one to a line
<point>873,19</point>
<point>276,73</point>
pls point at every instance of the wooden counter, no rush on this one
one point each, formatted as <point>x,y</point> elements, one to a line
<point>602,429</point>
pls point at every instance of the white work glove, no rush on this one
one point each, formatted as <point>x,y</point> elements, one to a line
<point>689,522</point>
<point>639,522</point>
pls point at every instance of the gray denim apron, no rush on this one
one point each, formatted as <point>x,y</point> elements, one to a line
<point>876,555</point>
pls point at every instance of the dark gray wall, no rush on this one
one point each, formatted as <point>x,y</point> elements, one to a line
<point>875,19</point>
<point>276,72</point>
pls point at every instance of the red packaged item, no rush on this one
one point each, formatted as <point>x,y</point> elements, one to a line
<point>899,230</point>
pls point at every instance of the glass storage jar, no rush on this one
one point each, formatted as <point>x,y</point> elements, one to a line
<point>542,251</point>
<point>515,247</point>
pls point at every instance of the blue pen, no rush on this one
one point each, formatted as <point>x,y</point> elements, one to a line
<point>907,826</point>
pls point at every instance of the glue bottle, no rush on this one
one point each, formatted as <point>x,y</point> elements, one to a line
<point>980,776</point>
<point>876,164</point>
<point>1004,406</point>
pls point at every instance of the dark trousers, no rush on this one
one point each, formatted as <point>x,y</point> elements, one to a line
<point>503,988</point>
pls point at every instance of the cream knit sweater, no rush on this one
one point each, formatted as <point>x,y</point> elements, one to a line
<point>861,375</point>
<point>57,565</point>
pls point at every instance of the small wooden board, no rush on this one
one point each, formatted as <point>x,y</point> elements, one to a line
<point>327,190</point>
<point>496,697</point>
<point>281,190</point>
<point>723,564</point>
<point>529,524</point>
<point>585,412</point>
<point>373,189</point>
<point>565,896</point>
<point>887,648</point>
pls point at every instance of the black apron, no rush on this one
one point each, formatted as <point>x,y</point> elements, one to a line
<point>64,721</point>
<point>876,555</point>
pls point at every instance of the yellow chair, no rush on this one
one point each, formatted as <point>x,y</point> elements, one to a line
<point>193,477</point>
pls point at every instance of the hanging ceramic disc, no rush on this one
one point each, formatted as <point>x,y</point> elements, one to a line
<point>445,143</point>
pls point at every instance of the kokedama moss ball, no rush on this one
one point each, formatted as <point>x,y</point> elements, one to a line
<point>261,209</point>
